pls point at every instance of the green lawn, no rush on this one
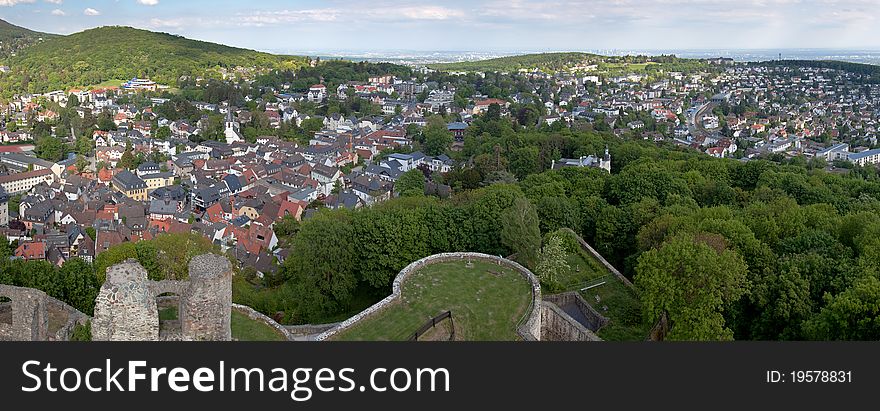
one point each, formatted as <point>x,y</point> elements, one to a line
<point>246,329</point>
<point>617,301</point>
<point>105,84</point>
<point>485,307</point>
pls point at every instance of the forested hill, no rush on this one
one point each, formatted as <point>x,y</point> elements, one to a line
<point>14,38</point>
<point>544,61</point>
<point>553,62</point>
<point>106,53</point>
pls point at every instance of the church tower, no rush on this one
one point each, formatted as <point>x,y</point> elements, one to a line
<point>233,129</point>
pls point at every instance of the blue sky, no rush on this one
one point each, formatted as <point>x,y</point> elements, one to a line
<point>479,25</point>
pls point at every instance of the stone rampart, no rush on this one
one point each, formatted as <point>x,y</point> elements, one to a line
<point>529,330</point>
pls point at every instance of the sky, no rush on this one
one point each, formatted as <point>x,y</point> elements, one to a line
<point>475,25</point>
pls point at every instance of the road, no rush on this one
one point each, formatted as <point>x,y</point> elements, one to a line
<point>694,125</point>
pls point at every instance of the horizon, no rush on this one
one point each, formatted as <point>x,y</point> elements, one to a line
<point>537,26</point>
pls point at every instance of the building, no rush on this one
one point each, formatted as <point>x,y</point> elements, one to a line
<point>603,163</point>
<point>23,182</point>
<point>4,208</point>
<point>140,84</point>
<point>865,157</point>
<point>317,93</point>
<point>158,180</point>
<point>131,185</point>
<point>233,130</point>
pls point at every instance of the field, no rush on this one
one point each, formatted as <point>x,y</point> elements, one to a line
<point>485,306</point>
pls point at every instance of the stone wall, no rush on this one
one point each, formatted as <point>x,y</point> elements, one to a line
<point>586,247</point>
<point>27,310</point>
<point>126,309</point>
<point>74,318</point>
<point>579,309</point>
<point>529,330</point>
<point>559,326</point>
<point>258,316</point>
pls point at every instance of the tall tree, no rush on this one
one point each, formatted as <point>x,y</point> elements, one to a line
<point>520,231</point>
<point>437,136</point>
<point>691,279</point>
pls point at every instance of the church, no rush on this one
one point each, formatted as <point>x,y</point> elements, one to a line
<point>233,129</point>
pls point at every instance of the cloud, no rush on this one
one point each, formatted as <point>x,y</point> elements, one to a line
<point>148,2</point>
<point>58,12</point>
<point>10,3</point>
<point>430,13</point>
<point>55,1</point>
<point>91,12</point>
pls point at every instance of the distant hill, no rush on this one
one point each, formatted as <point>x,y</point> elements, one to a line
<point>551,62</point>
<point>514,63</point>
<point>97,55</point>
<point>14,38</point>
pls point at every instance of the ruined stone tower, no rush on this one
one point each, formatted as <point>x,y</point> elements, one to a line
<point>126,308</point>
<point>206,306</point>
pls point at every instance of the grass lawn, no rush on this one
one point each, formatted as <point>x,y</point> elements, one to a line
<point>105,84</point>
<point>617,301</point>
<point>246,329</point>
<point>485,307</point>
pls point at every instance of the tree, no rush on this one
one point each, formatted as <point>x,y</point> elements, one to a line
<point>311,126</point>
<point>691,278</point>
<point>524,161</point>
<point>81,163</point>
<point>493,113</point>
<point>286,229</point>
<point>321,271</point>
<point>437,136</point>
<point>851,315</point>
<point>128,160</point>
<point>72,101</point>
<point>552,260</point>
<point>411,183</point>
<point>520,232</point>
<point>163,133</point>
<point>50,148</point>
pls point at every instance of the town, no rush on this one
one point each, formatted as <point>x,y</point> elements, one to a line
<point>140,173</point>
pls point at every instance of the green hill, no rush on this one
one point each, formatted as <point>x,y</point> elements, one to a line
<point>552,62</point>
<point>106,53</point>
<point>542,61</point>
<point>14,38</point>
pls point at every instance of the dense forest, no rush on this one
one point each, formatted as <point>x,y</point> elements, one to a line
<point>107,53</point>
<point>14,38</point>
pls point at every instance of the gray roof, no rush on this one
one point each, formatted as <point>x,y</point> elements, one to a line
<point>129,180</point>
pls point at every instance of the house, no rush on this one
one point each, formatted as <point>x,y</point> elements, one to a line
<point>130,185</point>
<point>457,129</point>
<point>482,106</point>
<point>31,251</point>
<point>317,93</point>
<point>603,163</point>
<point>158,180</point>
